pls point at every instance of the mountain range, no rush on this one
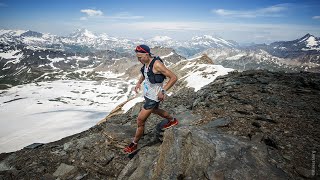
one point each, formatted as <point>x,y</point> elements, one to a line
<point>27,56</point>
<point>83,37</point>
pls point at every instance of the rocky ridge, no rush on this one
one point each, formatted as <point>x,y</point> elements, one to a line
<point>249,125</point>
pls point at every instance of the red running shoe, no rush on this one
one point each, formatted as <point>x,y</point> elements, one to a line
<point>131,148</point>
<point>174,122</point>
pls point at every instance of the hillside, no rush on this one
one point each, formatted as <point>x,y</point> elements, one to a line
<point>248,125</point>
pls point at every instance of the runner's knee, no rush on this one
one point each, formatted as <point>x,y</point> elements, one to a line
<point>140,122</point>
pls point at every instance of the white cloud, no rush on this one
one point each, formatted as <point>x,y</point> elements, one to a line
<point>271,11</point>
<point>92,12</point>
<point>316,17</point>
<point>120,16</point>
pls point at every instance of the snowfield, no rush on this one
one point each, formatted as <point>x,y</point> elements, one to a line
<point>49,111</point>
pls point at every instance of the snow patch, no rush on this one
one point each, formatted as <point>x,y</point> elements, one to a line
<point>78,58</point>
<point>89,34</point>
<point>131,103</point>
<point>167,55</point>
<point>15,61</point>
<point>161,38</point>
<point>55,59</point>
<point>311,42</point>
<point>8,67</point>
<point>199,78</point>
<point>10,54</point>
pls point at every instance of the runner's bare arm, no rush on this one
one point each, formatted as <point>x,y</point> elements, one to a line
<point>138,86</point>
<point>141,79</point>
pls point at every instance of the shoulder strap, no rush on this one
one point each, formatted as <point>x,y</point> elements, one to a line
<point>153,61</point>
<point>150,65</point>
<point>142,70</point>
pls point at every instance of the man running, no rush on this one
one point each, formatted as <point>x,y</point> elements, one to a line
<point>153,74</point>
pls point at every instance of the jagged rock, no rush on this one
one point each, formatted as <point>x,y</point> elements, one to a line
<point>256,124</point>
<point>192,153</point>
<point>287,157</point>
<point>5,86</point>
<point>34,145</point>
<point>187,118</point>
<point>204,59</point>
<point>265,118</point>
<point>63,170</point>
<point>4,167</point>
<point>135,110</point>
<point>48,177</point>
<point>119,132</point>
<point>306,173</point>
<point>257,138</point>
<point>141,166</point>
<point>220,122</point>
<point>168,55</point>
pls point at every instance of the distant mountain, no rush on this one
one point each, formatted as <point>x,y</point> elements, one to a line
<point>31,38</point>
<point>24,64</point>
<point>80,36</point>
<point>302,54</point>
<point>252,59</point>
<point>21,63</point>
<point>198,44</point>
<point>84,40</point>
<point>306,43</point>
<point>305,49</point>
<point>210,41</point>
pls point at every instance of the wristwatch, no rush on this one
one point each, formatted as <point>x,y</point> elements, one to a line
<point>163,91</point>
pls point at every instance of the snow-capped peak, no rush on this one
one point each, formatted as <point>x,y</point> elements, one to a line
<point>104,36</point>
<point>89,34</point>
<point>308,42</point>
<point>11,32</point>
<point>83,33</point>
<point>31,34</point>
<point>209,37</point>
<point>311,41</point>
<point>208,40</point>
<point>161,38</point>
<point>305,37</point>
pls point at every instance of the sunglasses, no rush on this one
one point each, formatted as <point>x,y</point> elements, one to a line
<point>140,49</point>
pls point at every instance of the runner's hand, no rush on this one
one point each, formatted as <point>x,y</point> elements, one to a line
<point>137,88</point>
<point>161,96</point>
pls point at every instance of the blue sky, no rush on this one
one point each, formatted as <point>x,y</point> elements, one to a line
<point>241,20</point>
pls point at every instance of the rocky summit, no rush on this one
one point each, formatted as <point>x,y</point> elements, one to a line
<point>244,125</point>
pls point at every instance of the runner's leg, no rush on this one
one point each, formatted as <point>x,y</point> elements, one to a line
<point>162,113</point>
<point>142,117</point>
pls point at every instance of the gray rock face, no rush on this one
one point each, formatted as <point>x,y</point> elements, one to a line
<point>63,169</point>
<point>193,153</point>
<point>168,55</point>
